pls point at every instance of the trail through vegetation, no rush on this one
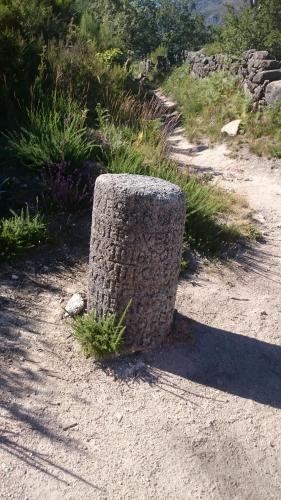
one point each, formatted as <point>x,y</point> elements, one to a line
<point>199,419</point>
<point>195,419</point>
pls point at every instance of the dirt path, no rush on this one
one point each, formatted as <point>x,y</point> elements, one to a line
<point>199,420</point>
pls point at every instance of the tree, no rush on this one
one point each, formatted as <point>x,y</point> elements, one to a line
<point>179,27</point>
<point>142,25</point>
<point>253,28</point>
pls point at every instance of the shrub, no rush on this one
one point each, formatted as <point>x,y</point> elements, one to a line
<point>89,76</point>
<point>111,56</point>
<point>19,233</point>
<point>75,70</point>
<point>211,49</point>
<point>159,51</point>
<point>264,34</point>
<point>55,132</point>
<point>68,189</point>
<point>100,337</point>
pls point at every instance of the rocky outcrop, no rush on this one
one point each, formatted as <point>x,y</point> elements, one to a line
<point>257,71</point>
<point>273,92</point>
<point>202,66</point>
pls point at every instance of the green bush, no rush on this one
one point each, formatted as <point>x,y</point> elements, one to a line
<point>111,56</point>
<point>100,337</point>
<point>55,132</point>
<point>25,28</point>
<point>264,33</point>
<point>159,51</point>
<point>85,74</point>
<point>213,48</point>
<point>19,233</point>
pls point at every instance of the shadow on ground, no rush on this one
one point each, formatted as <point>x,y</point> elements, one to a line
<point>41,462</point>
<point>235,364</point>
<point>232,363</point>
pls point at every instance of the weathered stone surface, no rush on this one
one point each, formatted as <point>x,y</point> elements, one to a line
<point>260,54</point>
<point>271,75</point>
<point>273,92</point>
<point>265,64</point>
<point>255,69</point>
<point>231,128</point>
<point>135,253</point>
<point>250,85</point>
<point>258,93</point>
<point>75,305</point>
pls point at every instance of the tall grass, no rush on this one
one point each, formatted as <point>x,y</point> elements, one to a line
<point>141,152</point>
<point>206,104</point>
<point>127,109</point>
<point>55,132</point>
<point>263,131</point>
<point>19,233</point>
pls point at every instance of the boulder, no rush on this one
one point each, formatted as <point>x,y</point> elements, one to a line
<point>251,76</point>
<point>231,128</point>
<point>75,305</point>
<point>258,93</point>
<point>261,54</point>
<point>273,92</point>
<point>265,64</point>
<point>250,85</point>
<point>271,75</point>
<point>248,54</point>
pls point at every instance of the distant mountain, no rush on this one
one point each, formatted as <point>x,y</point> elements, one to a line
<point>214,10</point>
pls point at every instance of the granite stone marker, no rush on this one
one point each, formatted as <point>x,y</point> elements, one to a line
<point>135,253</point>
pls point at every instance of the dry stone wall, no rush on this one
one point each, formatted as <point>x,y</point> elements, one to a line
<point>135,253</point>
<point>257,70</point>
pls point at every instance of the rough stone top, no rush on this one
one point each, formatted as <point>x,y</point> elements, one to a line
<point>140,184</point>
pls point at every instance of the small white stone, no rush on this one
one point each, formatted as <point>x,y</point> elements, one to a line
<point>75,305</point>
<point>15,277</point>
<point>231,128</point>
<point>259,218</point>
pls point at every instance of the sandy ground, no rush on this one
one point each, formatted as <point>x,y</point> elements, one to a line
<point>195,420</point>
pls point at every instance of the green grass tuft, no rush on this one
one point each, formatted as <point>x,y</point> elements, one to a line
<point>55,132</point>
<point>19,233</point>
<point>263,131</point>
<point>100,337</point>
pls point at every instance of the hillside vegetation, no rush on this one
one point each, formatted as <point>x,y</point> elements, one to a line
<point>72,108</point>
<point>256,27</point>
<point>208,104</point>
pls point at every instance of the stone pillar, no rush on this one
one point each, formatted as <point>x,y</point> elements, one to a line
<point>135,253</point>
